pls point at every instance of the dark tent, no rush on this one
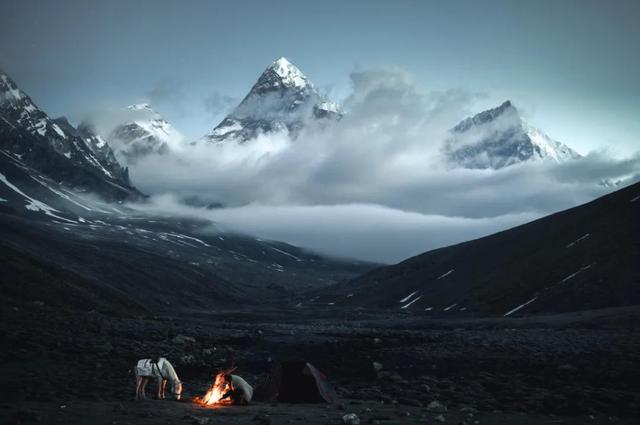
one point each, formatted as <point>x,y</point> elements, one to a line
<point>295,382</point>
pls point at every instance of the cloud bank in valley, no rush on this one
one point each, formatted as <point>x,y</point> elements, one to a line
<point>373,185</point>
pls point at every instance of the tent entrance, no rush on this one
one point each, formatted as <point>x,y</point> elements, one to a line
<point>295,382</point>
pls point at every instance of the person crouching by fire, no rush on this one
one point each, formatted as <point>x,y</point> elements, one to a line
<point>239,392</point>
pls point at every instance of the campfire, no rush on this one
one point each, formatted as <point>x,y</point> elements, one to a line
<point>213,396</point>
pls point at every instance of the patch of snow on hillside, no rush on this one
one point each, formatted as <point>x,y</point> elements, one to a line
<point>405,299</point>
<point>446,274</point>
<point>34,204</point>
<point>59,131</point>
<point>572,275</point>
<point>583,237</point>
<point>407,305</point>
<point>510,312</point>
<point>287,254</point>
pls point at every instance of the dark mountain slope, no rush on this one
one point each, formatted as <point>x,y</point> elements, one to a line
<point>583,258</point>
<point>60,247</point>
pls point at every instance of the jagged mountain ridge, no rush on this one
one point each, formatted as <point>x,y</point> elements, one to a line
<point>283,98</point>
<point>500,137</point>
<point>100,148</point>
<point>56,149</point>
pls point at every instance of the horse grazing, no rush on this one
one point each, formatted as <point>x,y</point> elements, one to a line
<point>162,371</point>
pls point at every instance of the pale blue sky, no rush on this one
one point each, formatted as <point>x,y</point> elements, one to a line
<point>573,66</point>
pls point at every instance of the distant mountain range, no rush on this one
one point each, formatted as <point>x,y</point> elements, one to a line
<point>284,99</point>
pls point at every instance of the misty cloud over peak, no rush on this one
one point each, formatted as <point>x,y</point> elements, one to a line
<point>383,167</point>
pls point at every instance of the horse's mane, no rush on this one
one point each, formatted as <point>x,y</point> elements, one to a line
<point>172,372</point>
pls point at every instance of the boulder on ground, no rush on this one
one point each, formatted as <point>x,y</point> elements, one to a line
<point>351,419</point>
<point>436,407</point>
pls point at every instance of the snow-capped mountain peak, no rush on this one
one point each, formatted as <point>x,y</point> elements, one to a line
<point>283,99</point>
<point>289,73</point>
<point>500,137</point>
<point>144,132</point>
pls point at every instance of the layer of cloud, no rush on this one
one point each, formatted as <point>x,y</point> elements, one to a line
<point>369,232</point>
<point>373,185</point>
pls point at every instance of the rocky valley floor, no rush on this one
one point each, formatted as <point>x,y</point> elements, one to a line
<point>74,367</point>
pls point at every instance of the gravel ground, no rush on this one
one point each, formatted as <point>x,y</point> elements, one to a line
<point>386,367</point>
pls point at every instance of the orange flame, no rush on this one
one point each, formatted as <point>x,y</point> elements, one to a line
<point>213,396</point>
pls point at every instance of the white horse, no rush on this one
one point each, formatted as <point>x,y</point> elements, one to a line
<point>162,371</point>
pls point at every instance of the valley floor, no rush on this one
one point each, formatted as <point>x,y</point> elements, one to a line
<point>576,368</point>
<point>166,412</point>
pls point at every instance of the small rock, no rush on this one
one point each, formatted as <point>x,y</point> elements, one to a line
<point>188,359</point>
<point>377,366</point>
<point>567,368</point>
<point>440,418</point>
<point>199,420</point>
<point>396,378</point>
<point>351,419</point>
<point>436,407</point>
<point>262,419</point>
<point>182,339</point>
